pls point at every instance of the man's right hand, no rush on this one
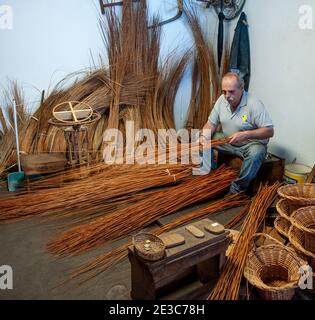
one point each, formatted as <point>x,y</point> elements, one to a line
<point>202,140</point>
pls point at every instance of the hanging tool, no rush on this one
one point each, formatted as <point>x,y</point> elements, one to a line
<point>120,3</point>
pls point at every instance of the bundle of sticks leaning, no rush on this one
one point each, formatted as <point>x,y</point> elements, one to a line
<point>227,287</point>
<point>125,220</point>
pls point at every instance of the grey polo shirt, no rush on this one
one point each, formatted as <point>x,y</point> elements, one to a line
<point>249,115</point>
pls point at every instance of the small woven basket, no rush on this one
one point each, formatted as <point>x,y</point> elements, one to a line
<point>301,193</point>
<point>274,270</point>
<point>282,225</point>
<point>285,208</point>
<point>148,246</point>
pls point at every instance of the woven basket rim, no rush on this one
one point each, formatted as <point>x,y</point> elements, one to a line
<point>256,280</point>
<point>278,226</point>
<point>296,223</point>
<point>299,246</point>
<point>299,200</point>
<point>280,210</point>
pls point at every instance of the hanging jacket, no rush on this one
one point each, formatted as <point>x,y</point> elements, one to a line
<point>240,51</point>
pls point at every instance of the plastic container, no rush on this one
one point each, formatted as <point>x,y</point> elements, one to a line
<point>296,173</point>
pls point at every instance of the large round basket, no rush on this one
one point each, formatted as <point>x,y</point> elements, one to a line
<point>285,208</point>
<point>148,246</point>
<point>282,225</point>
<point>274,270</point>
<point>301,193</point>
<point>297,238</point>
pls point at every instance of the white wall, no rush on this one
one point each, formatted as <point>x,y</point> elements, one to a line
<point>50,39</point>
<point>283,67</point>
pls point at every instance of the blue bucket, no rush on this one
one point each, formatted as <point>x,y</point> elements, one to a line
<point>15,180</point>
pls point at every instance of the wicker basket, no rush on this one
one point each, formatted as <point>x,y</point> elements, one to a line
<point>297,238</point>
<point>282,225</point>
<point>304,219</point>
<point>285,208</point>
<point>301,193</point>
<point>148,246</point>
<point>274,270</point>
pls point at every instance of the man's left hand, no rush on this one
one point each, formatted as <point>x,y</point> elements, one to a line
<point>238,137</point>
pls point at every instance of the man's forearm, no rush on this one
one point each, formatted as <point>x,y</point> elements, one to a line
<point>260,134</point>
<point>208,130</point>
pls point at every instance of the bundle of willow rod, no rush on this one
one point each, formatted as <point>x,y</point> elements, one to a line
<point>158,204</point>
<point>110,171</point>
<point>227,287</point>
<point>109,259</point>
<point>90,193</point>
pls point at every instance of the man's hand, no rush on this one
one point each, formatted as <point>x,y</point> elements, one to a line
<point>202,140</point>
<point>238,137</point>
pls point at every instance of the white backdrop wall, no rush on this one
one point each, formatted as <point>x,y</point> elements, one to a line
<point>50,39</point>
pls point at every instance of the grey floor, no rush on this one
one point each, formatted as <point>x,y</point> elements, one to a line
<point>37,274</point>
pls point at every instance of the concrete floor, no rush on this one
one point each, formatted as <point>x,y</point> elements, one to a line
<point>37,274</point>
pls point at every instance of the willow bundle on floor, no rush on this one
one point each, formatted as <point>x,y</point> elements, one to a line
<point>155,206</point>
<point>227,287</point>
<point>101,263</point>
<point>90,194</point>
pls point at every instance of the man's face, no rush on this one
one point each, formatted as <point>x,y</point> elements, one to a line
<point>232,92</point>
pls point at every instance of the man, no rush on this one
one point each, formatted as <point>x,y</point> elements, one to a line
<point>245,120</point>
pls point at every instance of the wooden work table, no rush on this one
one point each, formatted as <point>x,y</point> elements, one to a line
<point>198,259</point>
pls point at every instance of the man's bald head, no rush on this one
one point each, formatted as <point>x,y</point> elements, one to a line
<point>236,77</point>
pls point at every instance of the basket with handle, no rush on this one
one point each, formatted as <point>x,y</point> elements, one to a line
<point>273,269</point>
<point>301,193</point>
<point>285,208</point>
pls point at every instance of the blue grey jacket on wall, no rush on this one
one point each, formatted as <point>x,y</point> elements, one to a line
<point>240,51</point>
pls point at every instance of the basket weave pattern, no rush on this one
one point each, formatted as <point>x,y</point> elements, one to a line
<point>274,270</point>
<point>148,246</point>
<point>282,225</point>
<point>301,193</point>
<point>304,219</point>
<point>297,238</point>
<point>286,208</point>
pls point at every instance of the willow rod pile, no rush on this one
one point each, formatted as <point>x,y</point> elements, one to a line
<point>158,204</point>
<point>87,194</point>
<point>228,285</point>
<point>109,259</point>
<point>204,77</point>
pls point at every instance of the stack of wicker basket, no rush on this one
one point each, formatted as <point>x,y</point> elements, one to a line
<point>296,218</point>
<point>274,269</point>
